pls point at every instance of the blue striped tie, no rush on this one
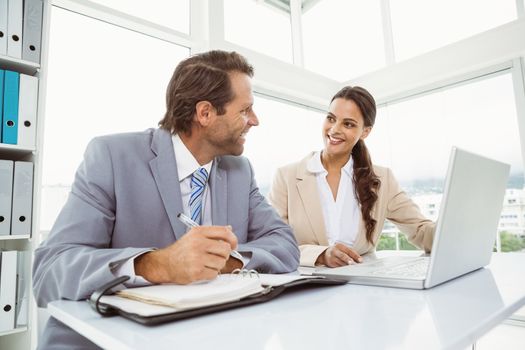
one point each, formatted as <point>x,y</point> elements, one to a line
<point>198,184</point>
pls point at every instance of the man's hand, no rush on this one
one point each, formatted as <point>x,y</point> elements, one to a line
<point>338,255</point>
<point>199,255</point>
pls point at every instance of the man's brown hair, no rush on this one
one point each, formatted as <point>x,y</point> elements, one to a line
<point>203,77</point>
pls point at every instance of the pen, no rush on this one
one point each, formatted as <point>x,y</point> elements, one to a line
<point>190,223</point>
<point>186,220</point>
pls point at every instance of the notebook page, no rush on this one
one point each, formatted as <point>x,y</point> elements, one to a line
<point>222,289</point>
<point>136,307</point>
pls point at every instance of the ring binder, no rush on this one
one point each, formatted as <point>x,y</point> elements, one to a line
<point>94,299</point>
<point>155,311</point>
<point>245,272</point>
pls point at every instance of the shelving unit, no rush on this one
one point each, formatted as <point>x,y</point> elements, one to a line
<point>24,338</point>
<point>12,238</point>
<point>21,66</point>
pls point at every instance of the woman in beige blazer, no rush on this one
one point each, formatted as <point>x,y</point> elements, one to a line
<point>335,200</point>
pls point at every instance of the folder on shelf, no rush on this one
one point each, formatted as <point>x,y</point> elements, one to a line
<point>33,10</point>
<point>169,302</point>
<point>6,195</point>
<point>15,13</point>
<point>2,75</point>
<point>27,109</point>
<point>8,261</point>
<point>10,114</point>
<point>3,27</point>
<point>22,289</point>
<point>22,198</point>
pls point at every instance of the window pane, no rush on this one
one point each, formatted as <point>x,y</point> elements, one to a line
<point>286,134</point>
<point>343,39</point>
<point>171,14</point>
<point>99,83</point>
<point>415,138</point>
<point>421,26</point>
<point>260,27</point>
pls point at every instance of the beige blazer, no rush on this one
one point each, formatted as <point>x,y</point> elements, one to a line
<point>295,196</point>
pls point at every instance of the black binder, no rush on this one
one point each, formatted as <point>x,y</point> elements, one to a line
<point>266,295</point>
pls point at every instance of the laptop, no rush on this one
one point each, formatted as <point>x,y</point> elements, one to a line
<point>465,230</point>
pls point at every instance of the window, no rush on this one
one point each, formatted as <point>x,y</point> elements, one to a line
<point>343,39</point>
<point>480,117</point>
<point>415,136</point>
<point>260,27</point>
<point>421,26</point>
<point>286,134</point>
<point>171,14</point>
<point>98,84</point>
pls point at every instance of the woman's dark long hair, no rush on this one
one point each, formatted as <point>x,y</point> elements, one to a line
<point>366,182</point>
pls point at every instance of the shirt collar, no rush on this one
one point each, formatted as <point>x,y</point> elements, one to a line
<point>315,165</point>
<point>348,168</point>
<point>186,162</point>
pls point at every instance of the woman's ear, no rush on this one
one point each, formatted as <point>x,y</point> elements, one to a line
<point>366,132</point>
<point>204,113</point>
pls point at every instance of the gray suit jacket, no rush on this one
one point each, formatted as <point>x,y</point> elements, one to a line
<point>124,201</point>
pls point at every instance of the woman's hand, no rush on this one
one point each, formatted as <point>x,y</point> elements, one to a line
<point>338,255</point>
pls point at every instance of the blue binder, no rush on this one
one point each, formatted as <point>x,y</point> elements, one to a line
<point>10,118</point>
<point>2,73</point>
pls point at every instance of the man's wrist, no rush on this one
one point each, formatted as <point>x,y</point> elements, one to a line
<point>147,267</point>
<point>232,264</point>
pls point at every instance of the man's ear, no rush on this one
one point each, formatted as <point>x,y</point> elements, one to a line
<point>204,113</point>
<point>366,132</point>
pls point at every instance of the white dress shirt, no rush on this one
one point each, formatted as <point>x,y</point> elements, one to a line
<point>186,166</point>
<point>342,215</point>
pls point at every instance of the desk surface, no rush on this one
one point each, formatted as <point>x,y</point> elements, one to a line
<point>450,316</point>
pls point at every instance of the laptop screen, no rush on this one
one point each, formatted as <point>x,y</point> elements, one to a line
<point>469,215</point>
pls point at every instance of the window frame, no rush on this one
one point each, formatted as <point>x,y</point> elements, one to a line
<point>291,83</point>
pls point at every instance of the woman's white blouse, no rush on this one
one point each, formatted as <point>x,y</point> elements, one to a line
<point>342,215</point>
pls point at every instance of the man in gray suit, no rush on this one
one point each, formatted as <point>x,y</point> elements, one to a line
<point>121,215</point>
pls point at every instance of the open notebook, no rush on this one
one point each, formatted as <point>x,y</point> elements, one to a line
<point>465,231</point>
<point>167,302</point>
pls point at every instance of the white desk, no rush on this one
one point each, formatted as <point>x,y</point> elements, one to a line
<point>450,316</point>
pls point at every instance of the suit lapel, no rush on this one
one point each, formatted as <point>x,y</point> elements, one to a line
<point>360,243</point>
<point>219,194</point>
<point>308,192</point>
<point>164,170</point>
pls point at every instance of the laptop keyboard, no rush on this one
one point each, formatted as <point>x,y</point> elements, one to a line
<point>414,268</point>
